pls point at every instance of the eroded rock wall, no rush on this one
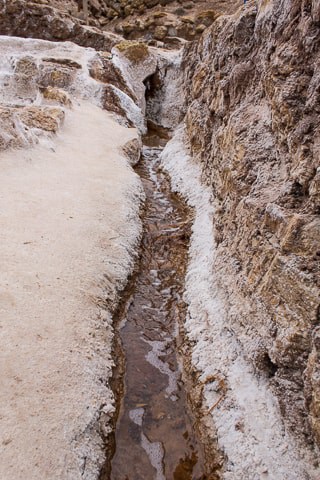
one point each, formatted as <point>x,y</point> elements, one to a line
<point>38,20</point>
<point>161,23</point>
<point>252,117</point>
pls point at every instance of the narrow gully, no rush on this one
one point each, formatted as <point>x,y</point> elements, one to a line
<point>154,438</point>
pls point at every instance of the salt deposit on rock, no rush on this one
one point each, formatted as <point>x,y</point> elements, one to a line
<point>246,417</point>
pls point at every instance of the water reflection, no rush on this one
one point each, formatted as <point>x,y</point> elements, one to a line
<point>154,436</point>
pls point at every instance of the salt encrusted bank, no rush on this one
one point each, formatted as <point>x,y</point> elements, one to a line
<point>244,414</point>
<point>70,230</point>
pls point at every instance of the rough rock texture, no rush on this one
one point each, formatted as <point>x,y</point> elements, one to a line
<point>39,77</point>
<point>30,102</point>
<point>137,63</point>
<point>253,122</point>
<point>252,109</point>
<point>167,22</point>
<point>163,98</point>
<point>36,20</point>
<point>132,151</point>
<point>125,8</point>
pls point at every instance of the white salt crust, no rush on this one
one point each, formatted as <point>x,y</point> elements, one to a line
<point>246,419</point>
<point>69,233</point>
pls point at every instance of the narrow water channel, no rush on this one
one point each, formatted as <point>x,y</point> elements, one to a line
<point>154,435</point>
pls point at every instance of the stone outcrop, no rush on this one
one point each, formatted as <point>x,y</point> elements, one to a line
<point>37,20</point>
<point>37,88</point>
<point>252,107</point>
<point>167,22</point>
<point>252,117</point>
<point>130,7</point>
<point>24,117</point>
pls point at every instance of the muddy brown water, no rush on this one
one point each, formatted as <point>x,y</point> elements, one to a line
<point>154,437</point>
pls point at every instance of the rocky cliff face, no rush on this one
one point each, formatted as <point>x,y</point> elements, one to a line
<point>252,120</point>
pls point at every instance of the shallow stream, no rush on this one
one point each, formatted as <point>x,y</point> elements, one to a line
<point>155,439</point>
